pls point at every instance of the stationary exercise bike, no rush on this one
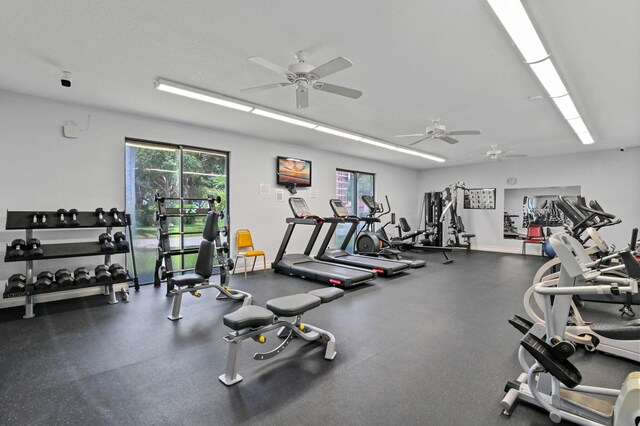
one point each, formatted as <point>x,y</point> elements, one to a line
<point>552,382</point>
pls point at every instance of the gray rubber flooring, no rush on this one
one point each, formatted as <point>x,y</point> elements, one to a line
<point>432,347</point>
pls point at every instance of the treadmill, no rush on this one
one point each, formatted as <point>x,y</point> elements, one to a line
<point>383,267</point>
<point>302,264</point>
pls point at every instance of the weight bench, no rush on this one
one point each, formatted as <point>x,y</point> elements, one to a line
<point>198,280</point>
<point>251,322</point>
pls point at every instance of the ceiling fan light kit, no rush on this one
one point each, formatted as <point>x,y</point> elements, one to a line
<point>518,25</point>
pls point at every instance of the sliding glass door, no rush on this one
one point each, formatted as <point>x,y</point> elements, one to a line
<point>173,171</point>
<point>350,187</point>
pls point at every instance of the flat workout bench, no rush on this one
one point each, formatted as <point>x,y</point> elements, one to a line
<point>252,321</point>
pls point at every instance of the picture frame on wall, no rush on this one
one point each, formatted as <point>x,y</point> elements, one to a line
<point>480,198</point>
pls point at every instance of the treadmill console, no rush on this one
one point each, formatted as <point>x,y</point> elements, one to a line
<point>299,207</point>
<point>339,210</point>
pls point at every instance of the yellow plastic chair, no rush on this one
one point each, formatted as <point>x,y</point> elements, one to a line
<point>244,249</point>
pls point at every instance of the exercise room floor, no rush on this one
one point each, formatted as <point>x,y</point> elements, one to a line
<point>432,347</point>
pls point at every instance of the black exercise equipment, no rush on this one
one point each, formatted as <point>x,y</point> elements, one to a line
<point>103,276</point>
<point>383,267</point>
<point>16,284</point>
<point>63,278</point>
<point>105,241</point>
<point>74,217</point>
<point>100,213</point>
<point>120,241</point>
<point>210,199</point>
<point>39,220</point>
<point>81,276</point>
<point>35,249</point>
<point>118,273</point>
<point>116,219</point>
<point>17,248</point>
<point>302,264</point>
<point>44,281</point>
<point>61,219</point>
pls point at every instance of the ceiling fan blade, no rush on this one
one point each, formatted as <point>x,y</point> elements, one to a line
<point>269,65</point>
<point>516,155</point>
<point>412,135</point>
<point>418,141</point>
<point>465,132</point>
<point>302,97</point>
<point>331,67</point>
<point>265,87</point>
<point>447,139</point>
<point>338,90</point>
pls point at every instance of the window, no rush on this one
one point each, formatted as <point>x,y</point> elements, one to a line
<point>350,187</point>
<point>173,171</point>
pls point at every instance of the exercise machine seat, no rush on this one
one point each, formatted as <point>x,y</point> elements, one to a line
<point>296,304</point>
<point>629,330</point>
<point>187,279</point>
<point>250,316</point>
<point>328,294</point>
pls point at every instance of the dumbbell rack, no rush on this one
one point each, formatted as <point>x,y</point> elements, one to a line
<point>23,220</point>
<point>164,265</point>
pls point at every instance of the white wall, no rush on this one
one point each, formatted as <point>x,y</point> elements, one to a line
<point>42,170</point>
<point>611,177</point>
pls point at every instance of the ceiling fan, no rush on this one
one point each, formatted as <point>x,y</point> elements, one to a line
<point>303,76</point>
<point>439,131</point>
<point>496,154</point>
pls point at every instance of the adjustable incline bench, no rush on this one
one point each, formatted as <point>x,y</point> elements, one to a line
<point>250,322</point>
<point>198,280</point>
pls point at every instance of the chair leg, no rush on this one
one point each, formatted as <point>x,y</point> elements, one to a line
<point>524,248</point>
<point>264,263</point>
<point>254,263</point>
<point>245,267</point>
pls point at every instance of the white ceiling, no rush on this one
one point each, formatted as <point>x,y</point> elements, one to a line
<point>412,59</point>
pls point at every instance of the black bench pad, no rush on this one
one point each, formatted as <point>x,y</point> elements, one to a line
<point>327,294</point>
<point>296,304</point>
<point>629,330</point>
<point>248,317</point>
<point>187,279</point>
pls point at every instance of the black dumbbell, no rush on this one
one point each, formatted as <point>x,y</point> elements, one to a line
<point>44,281</point>
<point>40,220</point>
<point>116,219</point>
<point>81,276</point>
<point>118,273</point>
<point>62,221</point>
<point>35,249</point>
<point>74,217</point>
<point>121,241</point>
<point>16,283</point>
<point>63,278</point>
<point>105,242</point>
<point>100,214</point>
<point>17,247</point>
<point>34,220</point>
<point>103,276</point>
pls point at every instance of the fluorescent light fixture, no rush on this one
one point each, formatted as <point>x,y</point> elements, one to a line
<point>143,146</point>
<point>378,144</point>
<point>338,133</point>
<point>421,154</point>
<point>586,138</point>
<point>548,76</point>
<point>566,107</point>
<point>403,150</point>
<point>199,94</point>
<point>578,125</point>
<point>517,23</point>
<point>284,118</point>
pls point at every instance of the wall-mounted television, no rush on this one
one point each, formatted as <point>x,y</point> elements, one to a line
<point>293,172</point>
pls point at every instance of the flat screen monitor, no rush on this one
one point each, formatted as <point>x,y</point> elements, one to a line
<point>293,171</point>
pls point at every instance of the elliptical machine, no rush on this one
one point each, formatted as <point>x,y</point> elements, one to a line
<point>372,241</point>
